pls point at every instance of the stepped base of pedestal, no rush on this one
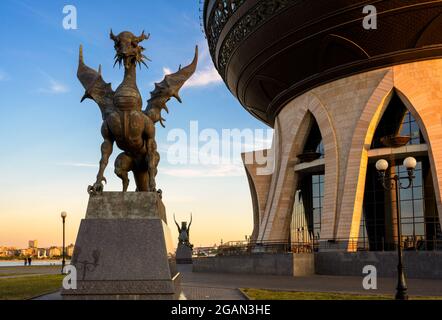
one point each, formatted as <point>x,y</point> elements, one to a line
<point>127,290</point>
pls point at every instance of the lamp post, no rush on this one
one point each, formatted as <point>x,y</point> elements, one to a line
<point>390,182</point>
<point>63,261</point>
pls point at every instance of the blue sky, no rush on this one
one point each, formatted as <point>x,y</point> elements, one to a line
<point>49,142</point>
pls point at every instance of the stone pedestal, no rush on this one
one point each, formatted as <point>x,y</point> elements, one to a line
<point>183,254</point>
<point>124,250</point>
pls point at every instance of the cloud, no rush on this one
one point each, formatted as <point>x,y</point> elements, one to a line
<point>78,164</point>
<point>221,171</point>
<point>3,76</point>
<point>54,86</point>
<point>208,76</point>
<point>166,71</point>
<point>57,87</point>
<point>83,165</point>
<point>195,162</point>
<point>205,75</point>
<point>210,171</point>
<point>229,147</point>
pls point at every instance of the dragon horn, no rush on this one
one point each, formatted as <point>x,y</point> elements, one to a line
<point>112,36</point>
<point>143,37</point>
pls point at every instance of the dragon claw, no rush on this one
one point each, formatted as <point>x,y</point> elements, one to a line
<point>97,187</point>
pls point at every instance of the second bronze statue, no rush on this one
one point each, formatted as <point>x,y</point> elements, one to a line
<point>124,121</point>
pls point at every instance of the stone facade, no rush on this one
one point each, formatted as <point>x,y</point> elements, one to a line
<point>280,264</point>
<point>347,112</point>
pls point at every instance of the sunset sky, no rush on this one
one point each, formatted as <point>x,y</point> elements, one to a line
<point>50,143</point>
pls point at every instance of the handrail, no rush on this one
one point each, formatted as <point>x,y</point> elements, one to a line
<point>242,247</point>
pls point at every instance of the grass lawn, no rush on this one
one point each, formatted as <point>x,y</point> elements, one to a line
<point>28,267</point>
<point>21,288</point>
<point>14,274</point>
<point>259,294</point>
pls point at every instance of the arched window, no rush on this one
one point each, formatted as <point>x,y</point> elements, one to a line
<point>397,127</point>
<point>314,142</point>
<point>308,203</point>
<point>419,217</point>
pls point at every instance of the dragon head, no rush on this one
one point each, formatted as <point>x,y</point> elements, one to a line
<point>128,50</point>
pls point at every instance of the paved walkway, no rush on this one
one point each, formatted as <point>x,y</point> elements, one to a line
<point>420,287</point>
<point>218,286</point>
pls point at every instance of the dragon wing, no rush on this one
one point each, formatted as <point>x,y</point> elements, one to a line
<point>168,88</point>
<point>94,85</point>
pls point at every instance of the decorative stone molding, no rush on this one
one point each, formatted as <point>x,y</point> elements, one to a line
<point>222,11</point>
<point>300,45</point>
<point>263,11</point>
<point>294,127</point>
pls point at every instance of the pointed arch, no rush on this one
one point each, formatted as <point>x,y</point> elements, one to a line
<point>424,105</point>
<point>313,145</point>
<point>397,125</point>
<point>350,208</point>
<point>397,135</point>
<point>293,124</point>
<point>430,124</point>
<point>424,102</point>
<point>255,205</point>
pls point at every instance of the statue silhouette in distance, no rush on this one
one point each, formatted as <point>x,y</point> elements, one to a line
<point>184,232</point>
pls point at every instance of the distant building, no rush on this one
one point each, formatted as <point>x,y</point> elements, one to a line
<point>33,244</point>
<point>42,253</point>
<point>70,250</point>
<point>7,251</point>
<point>28,252</point>
<point>54,252</point>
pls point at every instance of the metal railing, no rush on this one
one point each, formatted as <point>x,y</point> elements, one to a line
<point>234,248</point>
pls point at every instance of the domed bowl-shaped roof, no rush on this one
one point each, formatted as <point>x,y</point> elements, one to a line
<point>270,51</point>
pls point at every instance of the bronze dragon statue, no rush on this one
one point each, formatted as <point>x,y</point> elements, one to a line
<point>124,121</point>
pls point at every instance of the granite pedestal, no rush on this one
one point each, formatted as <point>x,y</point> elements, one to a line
<point>124,250</point>
<point>183,254</point>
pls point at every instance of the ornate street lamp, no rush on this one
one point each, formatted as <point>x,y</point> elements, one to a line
<point>63,262</point>
<point>389,183</point>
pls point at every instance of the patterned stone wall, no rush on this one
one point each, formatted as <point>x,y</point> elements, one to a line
<point>347,112</point>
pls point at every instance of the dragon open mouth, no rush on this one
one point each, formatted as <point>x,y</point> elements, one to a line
<point>129,52</point>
